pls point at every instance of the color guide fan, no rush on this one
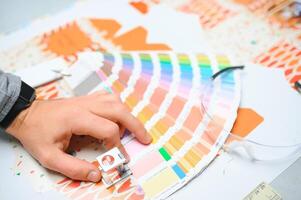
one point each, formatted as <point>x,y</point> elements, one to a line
<point>164,91</point>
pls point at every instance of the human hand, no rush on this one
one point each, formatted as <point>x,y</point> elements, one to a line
<point>46,127</point>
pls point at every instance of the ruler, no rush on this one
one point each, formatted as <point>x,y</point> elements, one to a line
<point>263,192</point>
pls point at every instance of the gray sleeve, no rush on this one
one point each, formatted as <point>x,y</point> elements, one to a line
<point>10,86</point>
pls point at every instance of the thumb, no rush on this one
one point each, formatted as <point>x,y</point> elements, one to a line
<point>72,167</point>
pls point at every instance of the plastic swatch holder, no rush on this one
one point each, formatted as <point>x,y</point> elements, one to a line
<point>113,167</point>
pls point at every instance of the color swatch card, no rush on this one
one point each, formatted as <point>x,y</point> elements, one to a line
<point>167,92</point>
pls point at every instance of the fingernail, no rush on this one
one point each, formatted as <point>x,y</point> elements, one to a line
<point>148,138</point>
<point>93,176</point>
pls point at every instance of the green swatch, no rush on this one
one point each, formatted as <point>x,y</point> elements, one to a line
<point>164,153</point>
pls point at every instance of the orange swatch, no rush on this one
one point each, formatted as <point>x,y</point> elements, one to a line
<point>247,120</point>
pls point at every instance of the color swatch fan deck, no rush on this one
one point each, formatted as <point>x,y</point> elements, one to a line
<point>164,90</point>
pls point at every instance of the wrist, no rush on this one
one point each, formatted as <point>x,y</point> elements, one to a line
<point>15,126</point>
<point>21,105</point>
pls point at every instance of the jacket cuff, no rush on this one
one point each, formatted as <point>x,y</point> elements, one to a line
<point>10,86</point>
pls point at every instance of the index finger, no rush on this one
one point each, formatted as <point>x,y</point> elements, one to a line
<point>135,127</point>
<point>123,116</point>
<point>119,113</point>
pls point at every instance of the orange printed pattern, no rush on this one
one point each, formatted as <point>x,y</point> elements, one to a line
<point>273,8</point>
<point>48,91</point>
<point>285,56</point>
<point>69,39</point>
<point>66,41</point>
<point>211,13</point>
<point>126,189</point>
<point>258,5</point>
<point>132,40</point>
<point>87,190</point>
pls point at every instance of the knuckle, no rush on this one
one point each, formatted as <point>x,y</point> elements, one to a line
<point>112,129</point>
<point>115,98</point>
<point>119,107</point>
<point>75,111</point>
<point>116,104</point>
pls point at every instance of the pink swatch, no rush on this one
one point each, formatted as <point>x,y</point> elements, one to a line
<point>147,163</point>
<point>134,147</point>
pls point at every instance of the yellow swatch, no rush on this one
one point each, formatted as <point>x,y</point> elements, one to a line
<point>159,182</point>
<point>185,164</point>
<point>155,135</point>
<point>142,117</point>
<point>171,150</point>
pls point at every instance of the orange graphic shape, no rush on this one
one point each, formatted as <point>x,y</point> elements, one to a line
<point>132,40</point>
<point>247,120</point>
<point>140,6</point>
<point>66,41</point>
